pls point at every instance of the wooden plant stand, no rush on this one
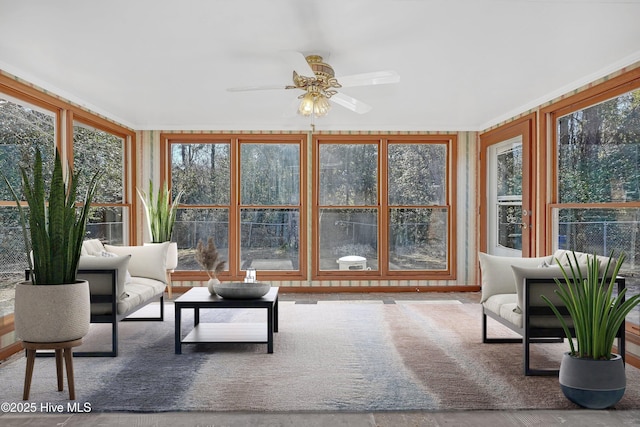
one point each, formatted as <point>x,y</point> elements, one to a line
<point>60,349</point>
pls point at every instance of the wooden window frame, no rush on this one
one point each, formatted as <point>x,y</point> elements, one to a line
<point>383,208</point>
<point>234,272</point>
<point>64,113</point>
<point>129,203</point>
<point>596,94</point>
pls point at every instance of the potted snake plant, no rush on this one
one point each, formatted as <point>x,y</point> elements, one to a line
<point>53,306</point>
<point>590,374</point>
<point>161,212</point>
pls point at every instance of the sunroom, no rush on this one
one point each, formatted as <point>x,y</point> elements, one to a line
<point>513,128</point>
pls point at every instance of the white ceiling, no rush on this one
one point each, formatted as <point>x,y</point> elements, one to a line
<point>463,64</point>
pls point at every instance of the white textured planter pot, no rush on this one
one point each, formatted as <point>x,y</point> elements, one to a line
<point>52,313</point>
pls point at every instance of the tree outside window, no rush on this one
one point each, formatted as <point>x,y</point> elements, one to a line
<point>23,129</point>
<point>383,205</point>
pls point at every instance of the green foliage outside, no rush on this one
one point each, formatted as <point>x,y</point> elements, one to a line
<point>599,163</point>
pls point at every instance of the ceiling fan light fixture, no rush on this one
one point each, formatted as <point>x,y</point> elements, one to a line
<point>321,107</point>
<point>306,105</point>
<point>314,104</point>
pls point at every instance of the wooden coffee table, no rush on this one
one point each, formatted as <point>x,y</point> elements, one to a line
<point>199,298</point>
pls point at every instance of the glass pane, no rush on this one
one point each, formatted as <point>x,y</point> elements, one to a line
<point>509,225</point>
<point>95,150</point>
<point>509,177</point>
<point>270,174</point>
<point>348,232</point>
<point>193,225</point>
<point>418,239</point>
<point>601,231</point>
<point>202,172</point>
<point>348,174</point>
<point>22,129</point>
<point>269,239</point>
<point>417,174</point>
<point>13,258</point>
<point>107,224</point>
<point>598,152</point>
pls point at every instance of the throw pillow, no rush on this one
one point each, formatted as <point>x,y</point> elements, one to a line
<point>522,273</point>
<point>565,255</point>
<point>92,247</point>
<point>119,263</point>
<point>146,261</point>
<point>107,254</point>
<point>497,277</point>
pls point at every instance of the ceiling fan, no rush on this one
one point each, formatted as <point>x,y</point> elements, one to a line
<point>318,82</point>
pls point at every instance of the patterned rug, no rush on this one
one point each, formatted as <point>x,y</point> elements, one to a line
<point>330,356</point>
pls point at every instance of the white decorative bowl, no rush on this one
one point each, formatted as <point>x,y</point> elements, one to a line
<point>241,290</point>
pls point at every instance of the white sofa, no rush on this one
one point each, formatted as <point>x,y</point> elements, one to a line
<point>511,290</point>
<point>122,279</point>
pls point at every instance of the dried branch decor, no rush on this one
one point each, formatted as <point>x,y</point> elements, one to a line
<point>208,258</point>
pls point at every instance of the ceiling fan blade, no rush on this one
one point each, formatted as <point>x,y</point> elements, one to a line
<point>250,88</point>
<point>351,103</point>
<point>298,62</point>
<point>292,109</point>
<point>366,79</point>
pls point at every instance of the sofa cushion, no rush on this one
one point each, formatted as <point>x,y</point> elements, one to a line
<point>146,261</point>
<point>564,256</point>
<point>119,263</point>
<point>92,247</point>
<point>497,277</point>
<point>140,290</point>
<point>503,305</point>
<point>522,273</point>
<point>551,272</point>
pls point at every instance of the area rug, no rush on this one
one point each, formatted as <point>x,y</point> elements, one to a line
<point>327,357</point>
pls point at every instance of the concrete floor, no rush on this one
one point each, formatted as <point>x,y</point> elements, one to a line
<point>542,418</point>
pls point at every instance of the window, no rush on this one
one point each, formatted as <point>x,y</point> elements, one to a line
<point>203,171</point>
<point>598,174</point>
<point>270,206</point>
<point>507,194</point>
<point>348,208</point>
<point>383,206</point>
<point>598,186</point>
<point>98,150</point>
<point>244,191</point>
<point>30,119</point>
<point>418,211</point>
<point>23,128</point>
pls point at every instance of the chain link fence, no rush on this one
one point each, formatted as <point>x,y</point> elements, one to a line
<point>597,236</point>
<point>602,237</point>
<point>13,262</point>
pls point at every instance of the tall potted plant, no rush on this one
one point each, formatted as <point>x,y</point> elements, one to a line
<point>53,306</point>
<point>590,374</point>
<point>161,212</point>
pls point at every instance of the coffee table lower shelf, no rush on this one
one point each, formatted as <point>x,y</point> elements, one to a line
<point>214,333</point>
<point>199,298</point>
